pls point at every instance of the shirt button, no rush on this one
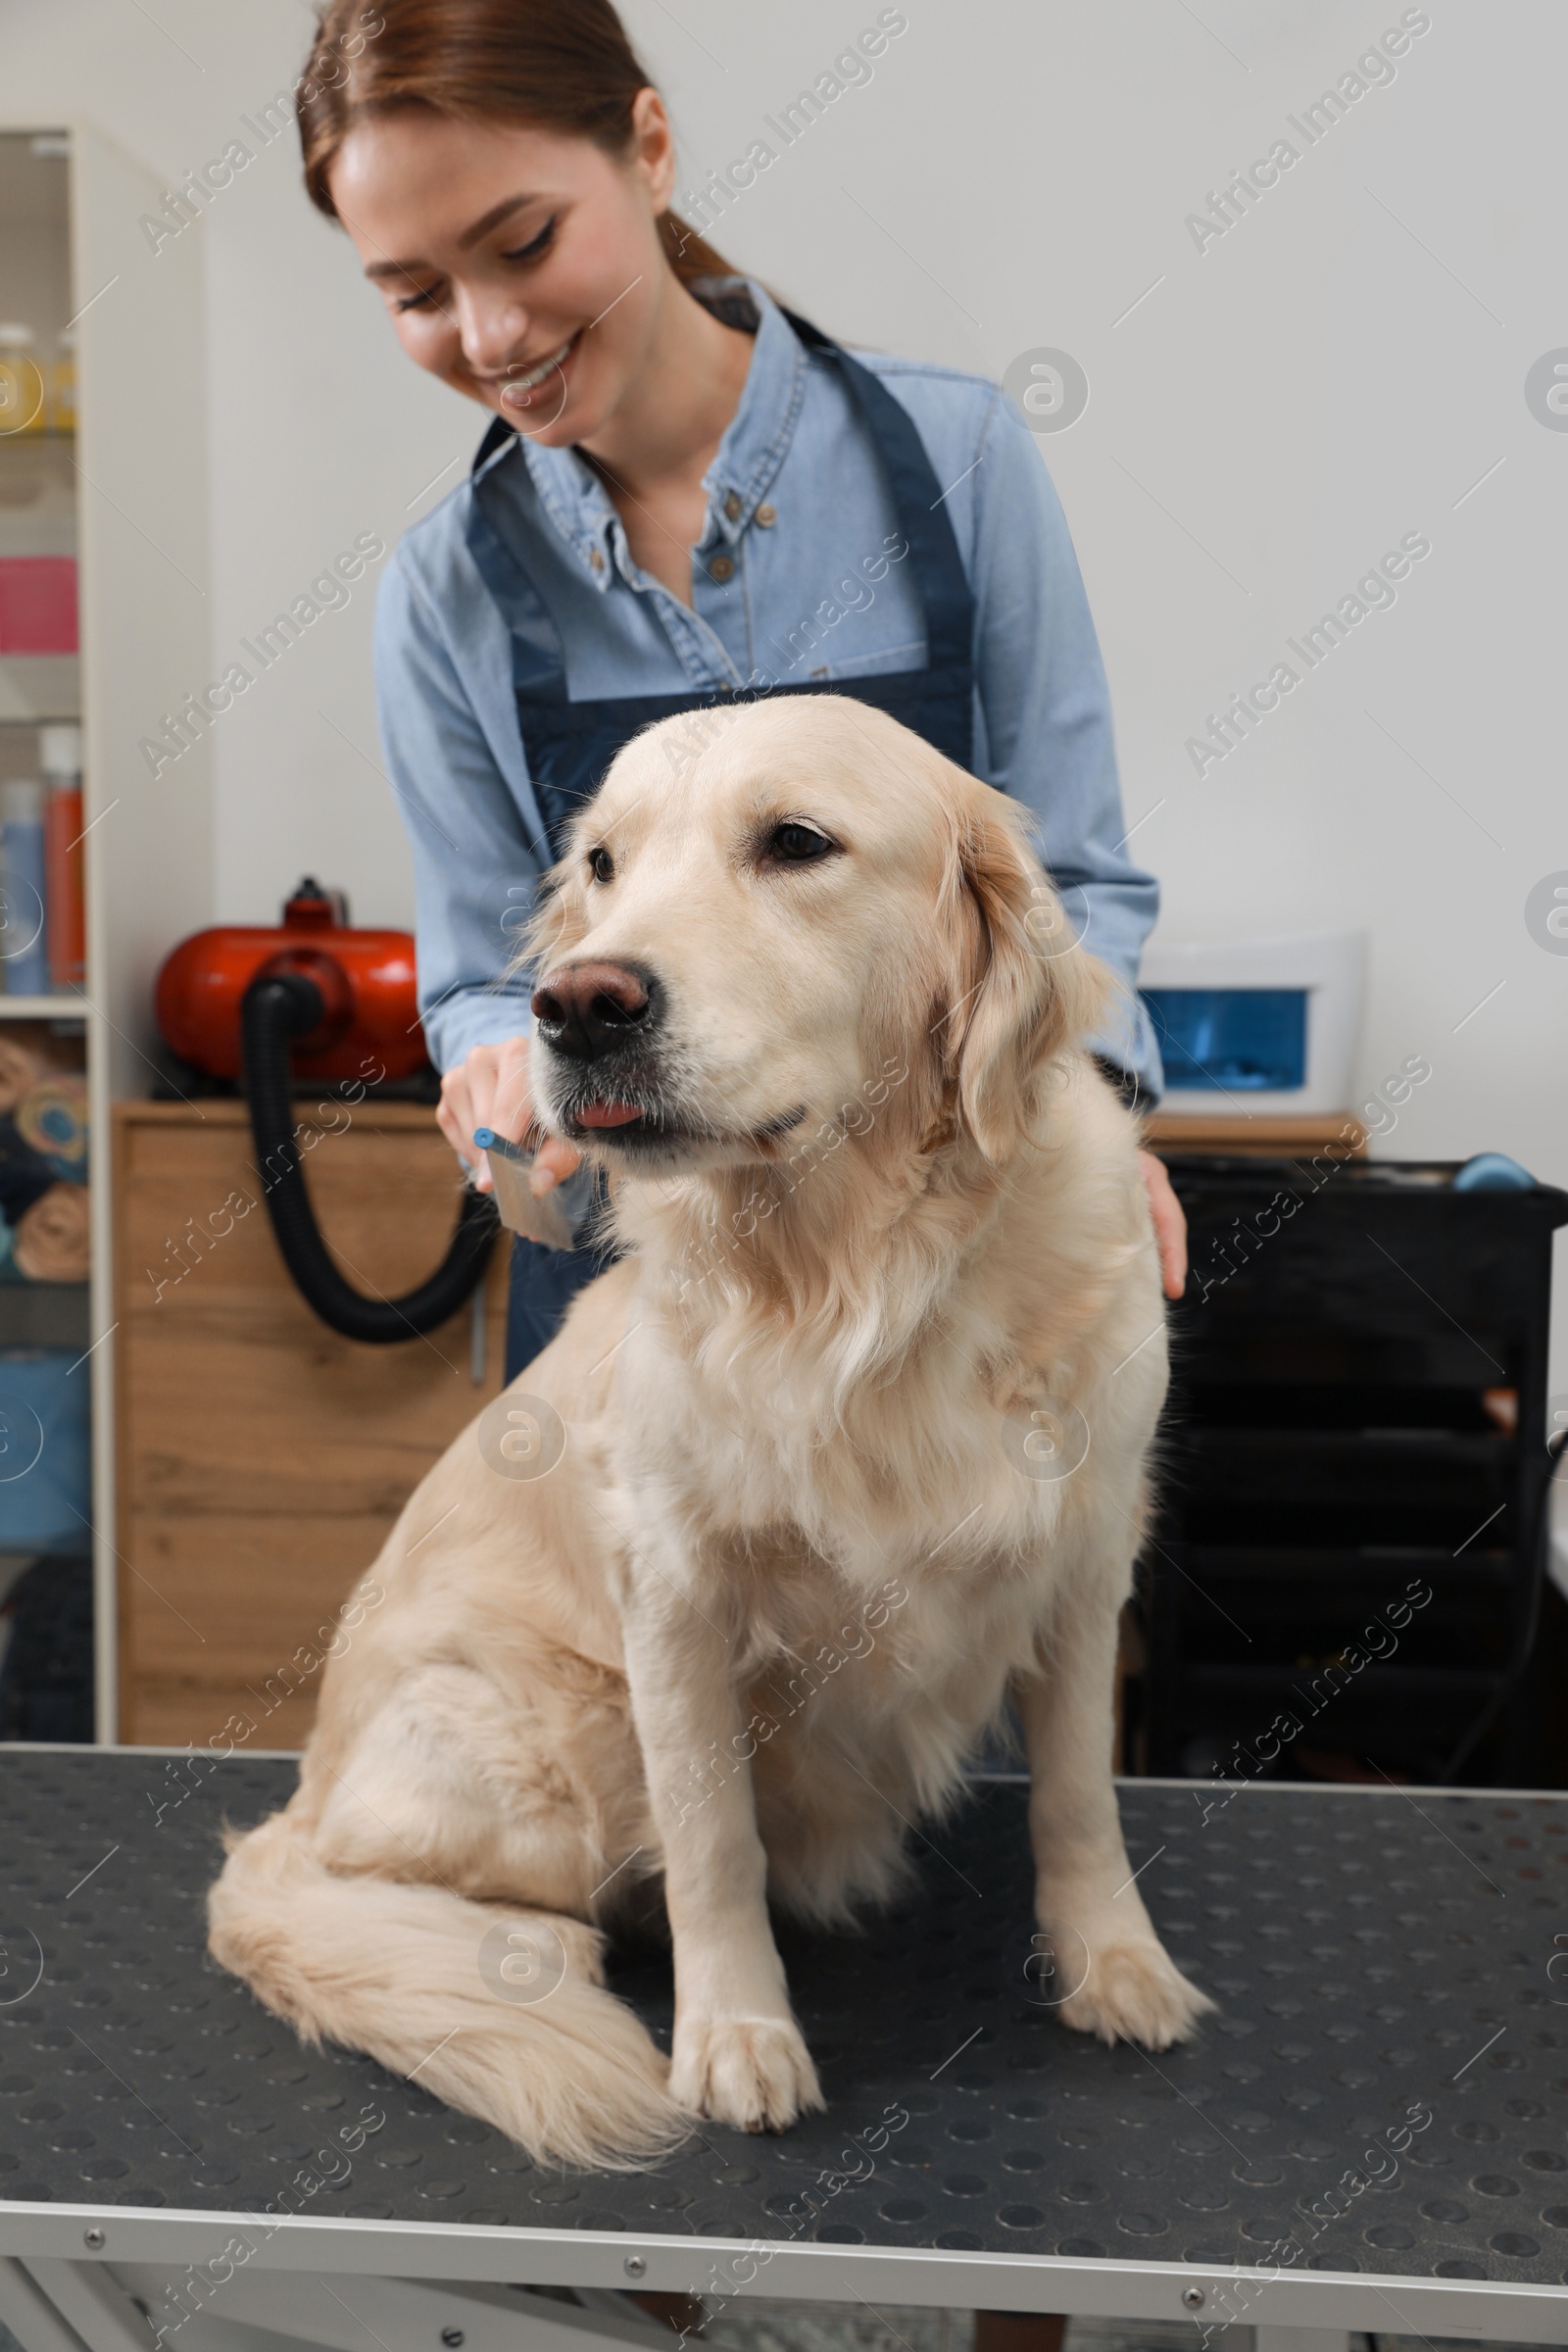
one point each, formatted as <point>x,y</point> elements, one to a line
<point>732,506</point>
<point>721,568</point>
<point>596,558</point>
<point>766,517</point>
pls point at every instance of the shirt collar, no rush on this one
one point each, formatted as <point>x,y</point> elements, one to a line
<point>760,432</point>
<point>744,465</point>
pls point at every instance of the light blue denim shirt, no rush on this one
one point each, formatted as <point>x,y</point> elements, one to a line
<point>798,504</point>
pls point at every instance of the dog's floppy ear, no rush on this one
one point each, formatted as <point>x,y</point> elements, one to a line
<point>1022,988</point>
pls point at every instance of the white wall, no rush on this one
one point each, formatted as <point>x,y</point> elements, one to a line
<point>1338,370</point>
<point>317,428</point>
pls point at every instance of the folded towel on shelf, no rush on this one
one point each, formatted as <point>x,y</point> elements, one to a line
<point>52,1241</point>
<point>43,1166</point>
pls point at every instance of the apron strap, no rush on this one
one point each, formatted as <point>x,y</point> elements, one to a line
<point>538,656</point>
<point>499,431</point>
<point>927,527</point>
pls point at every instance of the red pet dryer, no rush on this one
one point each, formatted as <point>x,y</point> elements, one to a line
<point>319,999</point>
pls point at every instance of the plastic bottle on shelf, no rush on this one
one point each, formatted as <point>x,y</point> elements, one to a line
<point>22,384</point>
<point>62,404</point>
<point>24,926</point>
<point>66,926</point>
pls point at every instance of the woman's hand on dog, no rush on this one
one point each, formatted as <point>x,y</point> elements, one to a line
<point>1170,1224</point>
<point>489,1088</point>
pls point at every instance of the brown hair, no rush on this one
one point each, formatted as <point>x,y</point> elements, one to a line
<point>556,64</point>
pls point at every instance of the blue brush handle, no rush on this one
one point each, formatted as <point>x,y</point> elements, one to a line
<point>488,1140</point>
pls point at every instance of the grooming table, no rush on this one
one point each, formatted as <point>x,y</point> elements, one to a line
<point>1379,1955</point>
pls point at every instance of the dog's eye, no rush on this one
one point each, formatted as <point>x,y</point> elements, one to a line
<point>794,844</point>
<point>601,865</point>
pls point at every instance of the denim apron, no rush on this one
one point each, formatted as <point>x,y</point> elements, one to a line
<point>570,745</point>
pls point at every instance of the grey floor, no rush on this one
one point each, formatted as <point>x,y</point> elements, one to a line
<point>759,2326</point>
<point>762,2325</point>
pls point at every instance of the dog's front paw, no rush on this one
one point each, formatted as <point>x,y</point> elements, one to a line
<point>1133,1991</point>
<point>753,2072</point>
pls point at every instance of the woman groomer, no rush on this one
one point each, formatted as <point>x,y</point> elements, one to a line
<point>684,491</point>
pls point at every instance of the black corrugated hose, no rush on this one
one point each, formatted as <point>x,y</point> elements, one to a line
<point>276,1009</point>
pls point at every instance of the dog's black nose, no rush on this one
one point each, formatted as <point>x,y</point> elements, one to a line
<point>585,1010</point>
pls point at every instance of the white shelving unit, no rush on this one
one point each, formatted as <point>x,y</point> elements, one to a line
<point>42,1008</point>
<point>131,485</point>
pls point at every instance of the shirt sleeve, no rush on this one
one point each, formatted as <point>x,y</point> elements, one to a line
<point>476,872</point>
<point>1046,711</point>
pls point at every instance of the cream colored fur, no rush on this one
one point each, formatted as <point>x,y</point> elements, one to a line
<point>807,1388</point>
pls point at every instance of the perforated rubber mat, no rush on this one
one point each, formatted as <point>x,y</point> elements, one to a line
<point>1386,2085</point>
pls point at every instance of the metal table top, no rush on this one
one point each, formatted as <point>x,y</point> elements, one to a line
<point>1380,2108</point>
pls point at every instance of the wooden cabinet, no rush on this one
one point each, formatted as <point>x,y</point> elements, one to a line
<point>261,1458</point>
<point>1240,1136</point>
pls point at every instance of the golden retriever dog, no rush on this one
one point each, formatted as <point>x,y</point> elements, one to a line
<point>846,1448</point>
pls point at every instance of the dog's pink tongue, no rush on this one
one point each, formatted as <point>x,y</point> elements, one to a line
<point>608,1114</point>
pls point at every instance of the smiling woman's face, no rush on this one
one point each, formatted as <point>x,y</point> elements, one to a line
<point>522,267</point>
